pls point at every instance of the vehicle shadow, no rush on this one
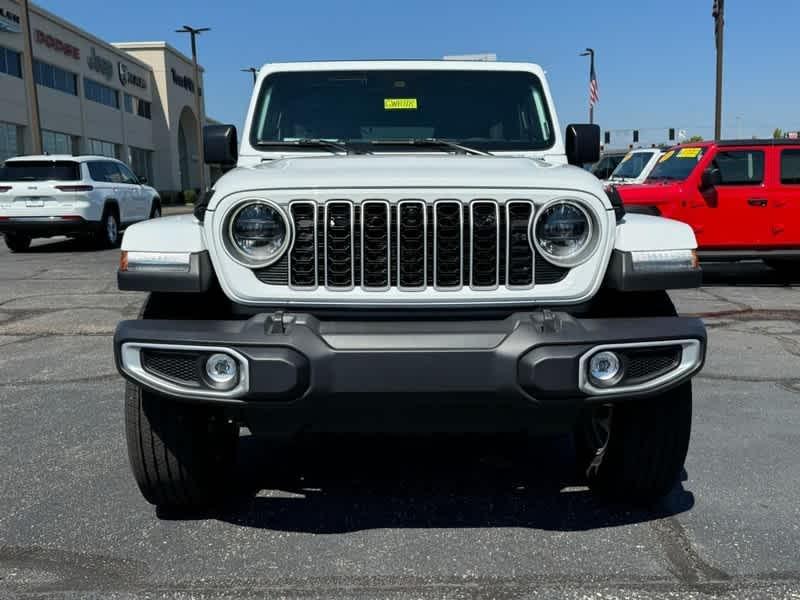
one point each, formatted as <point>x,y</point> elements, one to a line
<point>344,484</point>
<point>747,273</point>
<point>47,246</point>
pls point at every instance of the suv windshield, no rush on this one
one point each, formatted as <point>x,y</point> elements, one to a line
<point>40,170</point>
<point>676,165</point>
<point>488,110</point>
<point>632,165</point>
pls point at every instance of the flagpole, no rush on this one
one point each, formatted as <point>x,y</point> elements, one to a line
<point>590,53</point>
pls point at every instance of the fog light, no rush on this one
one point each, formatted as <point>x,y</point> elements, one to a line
<point>605,369</point>
<point>222,370</point>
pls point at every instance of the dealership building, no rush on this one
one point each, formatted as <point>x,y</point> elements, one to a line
<point>133,101</point>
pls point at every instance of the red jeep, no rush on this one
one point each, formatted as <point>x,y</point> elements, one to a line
<point>742,198</point>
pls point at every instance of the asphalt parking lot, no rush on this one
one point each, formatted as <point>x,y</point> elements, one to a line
<point>436,518</point>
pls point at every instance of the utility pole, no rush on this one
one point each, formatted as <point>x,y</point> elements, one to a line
<point>718,12</point>
<point>193,33</point>
<point>31,93</point>
<point>594,95</point>
<point>252,70</point>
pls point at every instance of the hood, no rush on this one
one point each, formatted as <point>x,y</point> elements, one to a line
<point>418,171</point>
<point>649,193</point>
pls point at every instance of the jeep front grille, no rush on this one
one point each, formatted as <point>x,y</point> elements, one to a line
<point>411,245</point>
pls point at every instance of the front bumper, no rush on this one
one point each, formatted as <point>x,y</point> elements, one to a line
<point>298,367</point>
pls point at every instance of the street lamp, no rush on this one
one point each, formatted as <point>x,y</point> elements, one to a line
<point>193,33</point>
<point>252,70</point>
<point>593,89</point>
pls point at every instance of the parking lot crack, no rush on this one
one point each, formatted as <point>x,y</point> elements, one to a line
<point>685,563</point>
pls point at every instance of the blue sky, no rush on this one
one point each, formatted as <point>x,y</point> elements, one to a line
<point>655,59</point>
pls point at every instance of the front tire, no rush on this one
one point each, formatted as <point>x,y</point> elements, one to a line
<point>635,451</point>
<point>182,455</point>
<point>155,210</point>
<point>16,242</point>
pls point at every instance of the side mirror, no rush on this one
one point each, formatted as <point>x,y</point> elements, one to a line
<point>220,144</point>
<point>582,144</point>
<point>142,180</point>
<point>711,178</point>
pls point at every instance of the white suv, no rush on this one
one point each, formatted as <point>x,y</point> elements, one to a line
<point>44,196</point>
<point>402,246</point>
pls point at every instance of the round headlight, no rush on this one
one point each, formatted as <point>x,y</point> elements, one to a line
<point>259,233</point>
<point>563,233</point>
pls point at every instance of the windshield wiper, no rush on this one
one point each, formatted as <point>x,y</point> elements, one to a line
<point>332,146</point>
<point>432,142</point>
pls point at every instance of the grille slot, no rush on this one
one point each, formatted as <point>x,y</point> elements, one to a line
<point>180,367</point>
<point>303,256</point>
<point>412,244</point>
<point>448,244</point>
<point>339,246</point>
<point>519,256</point>
<point>375,241</point>
<point>485,234</point>
<point>649,363</point>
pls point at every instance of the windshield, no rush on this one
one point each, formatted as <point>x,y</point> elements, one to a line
<point>632,165</point>
<point>40,170</point>
<point>676,165</point>
<point>487,110</point>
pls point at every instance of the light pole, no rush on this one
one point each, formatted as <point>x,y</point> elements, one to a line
<point>252,70</point>
<point>193,33</point>
<point>718,12</point>
<point>31,93</point>
<point>593,91</point>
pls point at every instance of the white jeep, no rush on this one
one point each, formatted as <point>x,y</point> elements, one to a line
<point>403,246</point>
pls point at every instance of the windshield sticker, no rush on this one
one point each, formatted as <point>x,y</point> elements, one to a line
<point>627,157</point>
<point>689,152</point>
<point>399,104</point>
<point>667,156</point>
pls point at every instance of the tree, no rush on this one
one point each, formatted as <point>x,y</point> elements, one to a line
<point>696,138</point>
<point>777,134</point>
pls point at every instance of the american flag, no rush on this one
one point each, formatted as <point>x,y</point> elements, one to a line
<point>594,90</point>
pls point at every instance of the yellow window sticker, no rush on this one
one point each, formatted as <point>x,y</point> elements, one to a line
<point>689,152</point>
<point>667,156</point>
<point>627,157</point>
<point>399,104</point>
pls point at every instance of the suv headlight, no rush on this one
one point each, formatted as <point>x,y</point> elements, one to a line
<point>565,233</point>
<point>258,233</point>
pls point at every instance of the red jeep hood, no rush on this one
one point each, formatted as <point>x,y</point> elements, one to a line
<point>650,193</point>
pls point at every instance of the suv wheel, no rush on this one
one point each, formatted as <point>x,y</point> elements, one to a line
<point>17,242</point>
<point>108,236</point>
<point>155,211</point>
<point>182,455</point>
<point>635,451</point>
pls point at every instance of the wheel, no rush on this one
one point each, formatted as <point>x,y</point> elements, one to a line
<point>155,211</point>
<point>785,267</point>
<point>182,455</point>
<point>108,235</point>
<point>17,242</point>
<point>635,451</point>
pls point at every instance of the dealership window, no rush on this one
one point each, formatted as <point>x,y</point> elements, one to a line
<point>97,92</point>
<point>790,166</point>
<point>143,109</point>
<point>54,142</point>
<point>55,78</point>
<point>103,148</point>
<point>128,103</point>
<point>141,162</point>
<point>740,167</point>
<point>10,140</point>
<point>10,62</point>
